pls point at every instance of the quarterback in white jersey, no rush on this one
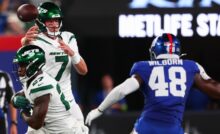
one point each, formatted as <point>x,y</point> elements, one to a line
<point>60,48</point>
<point>58,63</point>
<point>52,112</point>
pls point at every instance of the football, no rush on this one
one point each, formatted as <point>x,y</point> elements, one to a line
<point>27,12</point>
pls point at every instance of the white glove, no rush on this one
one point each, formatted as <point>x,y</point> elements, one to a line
<point>93,115</point>
<point>82,130</point>
<point>78,128</point>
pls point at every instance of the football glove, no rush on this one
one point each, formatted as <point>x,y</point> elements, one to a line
<point>20,102</point>
<point>93,115</point>
<point>81,129</point>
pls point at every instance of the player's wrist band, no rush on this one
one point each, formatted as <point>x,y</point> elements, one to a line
<point>14,122</point>
<point>76,58</point>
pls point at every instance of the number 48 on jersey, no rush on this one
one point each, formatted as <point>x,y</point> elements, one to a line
<point>176,84</point>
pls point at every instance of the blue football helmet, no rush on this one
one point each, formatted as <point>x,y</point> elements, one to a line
<point>165,46</point>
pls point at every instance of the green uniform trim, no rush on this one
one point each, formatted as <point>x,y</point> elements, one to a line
<point>62,98</point>
<point>44,40</point>
<point>73,36</point>
<point>43,88</point>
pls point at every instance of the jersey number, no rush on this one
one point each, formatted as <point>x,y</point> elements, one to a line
<point>63,59</point>
<point>177,78</point>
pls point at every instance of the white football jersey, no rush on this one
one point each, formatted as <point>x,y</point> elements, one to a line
<point>58,64</point>
<point>59,117</point>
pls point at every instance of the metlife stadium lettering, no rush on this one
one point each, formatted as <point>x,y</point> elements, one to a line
<point>149,25</point>
<point>196,20</point>
<point>171,4</point>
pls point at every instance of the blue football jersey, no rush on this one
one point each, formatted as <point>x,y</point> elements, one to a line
<point>166,85</point>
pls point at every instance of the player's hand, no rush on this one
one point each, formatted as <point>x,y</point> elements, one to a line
<point>85,129</point>
<point>82,129</point>
<point>25,112</point>
<point>31,35</point>
<point>92,115</point>
<point>66,48</point>
<point>20,102</point>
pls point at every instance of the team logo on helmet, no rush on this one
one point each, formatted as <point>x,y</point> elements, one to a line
<point>167,45</point>
<point>42,10</point>
<point>30,53</point>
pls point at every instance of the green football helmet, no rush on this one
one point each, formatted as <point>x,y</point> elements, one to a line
<point>47,11</point>
<point>32,57</point>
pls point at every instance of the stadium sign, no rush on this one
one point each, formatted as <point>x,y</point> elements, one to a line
<point>196,20</point>
<point>172,4</point>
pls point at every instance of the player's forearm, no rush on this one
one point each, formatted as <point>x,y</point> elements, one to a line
<point>214,89</point>
<point>27,118</point>
<point>4,5</point>
<point>32,121</point>
<point>81,67</point>
<point>119,92</point>
<point>36,119</point>
<point>13,112</point>
<point>41,104</point>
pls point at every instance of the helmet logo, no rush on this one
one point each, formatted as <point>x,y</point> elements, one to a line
<point>30,52</point>
<point>42,10</point>
<point>168,45</point>
<point>56,16</point>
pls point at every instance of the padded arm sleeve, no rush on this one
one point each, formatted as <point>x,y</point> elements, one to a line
<point>128,86</point>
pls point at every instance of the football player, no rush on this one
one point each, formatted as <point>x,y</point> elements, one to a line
<point>60,48</point>
<point>51,110</point>
<point>165,81</point>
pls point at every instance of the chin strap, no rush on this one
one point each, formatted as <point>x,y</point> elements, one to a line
<point>53,34</point>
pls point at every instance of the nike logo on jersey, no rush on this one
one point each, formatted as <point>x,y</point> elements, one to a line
<point>40,84</point>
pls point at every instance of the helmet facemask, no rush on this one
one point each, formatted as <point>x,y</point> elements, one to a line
<point>152,55</point>
<point>54,34</point>
<point>18,77</point>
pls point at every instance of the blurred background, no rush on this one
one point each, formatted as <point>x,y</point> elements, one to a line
<point>111,36</point>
